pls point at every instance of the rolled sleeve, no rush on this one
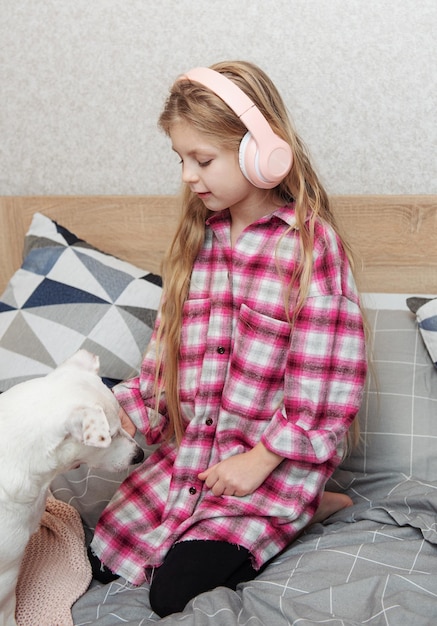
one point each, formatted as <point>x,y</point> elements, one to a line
<point>137,397</point>
<point>324,382</point>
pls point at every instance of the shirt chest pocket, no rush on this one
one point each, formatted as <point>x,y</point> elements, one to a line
<point>195,321</point>
<point>256,376</point>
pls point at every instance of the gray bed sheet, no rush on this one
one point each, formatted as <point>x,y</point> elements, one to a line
<point>374,563</point>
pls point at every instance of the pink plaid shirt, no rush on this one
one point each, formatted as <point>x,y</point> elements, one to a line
<point>244,378</point>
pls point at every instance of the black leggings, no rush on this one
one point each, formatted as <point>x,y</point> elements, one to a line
<point>192,567</point>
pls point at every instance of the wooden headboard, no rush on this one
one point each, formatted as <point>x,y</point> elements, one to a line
<point>394,236</point>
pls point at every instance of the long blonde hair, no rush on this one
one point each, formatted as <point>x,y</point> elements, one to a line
<point>199,107</point>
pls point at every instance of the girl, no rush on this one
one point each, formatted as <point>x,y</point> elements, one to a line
<point>255,371</point>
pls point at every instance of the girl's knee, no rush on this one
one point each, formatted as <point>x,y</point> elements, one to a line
<point>166,600</point>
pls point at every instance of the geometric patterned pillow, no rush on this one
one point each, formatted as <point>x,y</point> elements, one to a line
<point>426,315</point>
<point>68,295</point>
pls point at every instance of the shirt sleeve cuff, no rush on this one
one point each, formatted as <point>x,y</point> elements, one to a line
<point>293,442</point>
<point>129,397</point>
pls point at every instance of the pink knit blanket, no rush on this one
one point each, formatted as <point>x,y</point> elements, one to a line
<point>55,571</point>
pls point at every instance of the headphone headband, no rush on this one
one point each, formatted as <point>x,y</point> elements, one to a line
<point>265,158</point>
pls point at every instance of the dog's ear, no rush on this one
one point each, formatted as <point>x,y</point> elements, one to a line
<point>89,425</point>
<point>84,360</point>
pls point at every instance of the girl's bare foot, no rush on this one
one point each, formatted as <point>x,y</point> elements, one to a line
<point>330,503</point>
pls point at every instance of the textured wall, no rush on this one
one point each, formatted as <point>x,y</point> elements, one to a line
<point>82,83</point>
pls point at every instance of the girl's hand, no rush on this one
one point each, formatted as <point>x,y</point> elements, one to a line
<point>242,474</point>
<point>126,423</point>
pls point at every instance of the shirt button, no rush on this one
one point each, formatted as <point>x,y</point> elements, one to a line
<point>221,350</point>
<point>192,491</point>
<point>209,421</point>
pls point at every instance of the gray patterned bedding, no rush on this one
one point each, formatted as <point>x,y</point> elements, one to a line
<point>364,567</point>
<point>374,563</point>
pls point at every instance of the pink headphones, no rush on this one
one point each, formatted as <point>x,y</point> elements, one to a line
<point>265,158</point>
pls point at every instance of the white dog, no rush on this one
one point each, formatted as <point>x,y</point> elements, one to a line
<point>47,426</point>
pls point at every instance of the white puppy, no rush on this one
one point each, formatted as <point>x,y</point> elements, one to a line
<point>47,426</point>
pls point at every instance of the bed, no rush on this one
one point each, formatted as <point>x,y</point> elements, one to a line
<point>90,277</point>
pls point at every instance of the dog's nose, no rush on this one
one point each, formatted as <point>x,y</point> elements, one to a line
<point>138,458</point>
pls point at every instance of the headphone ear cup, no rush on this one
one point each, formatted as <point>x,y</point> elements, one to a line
<point>280,157</point>
<point>247,158</point>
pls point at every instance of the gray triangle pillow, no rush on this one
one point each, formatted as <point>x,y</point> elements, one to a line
<point>68,295</point>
